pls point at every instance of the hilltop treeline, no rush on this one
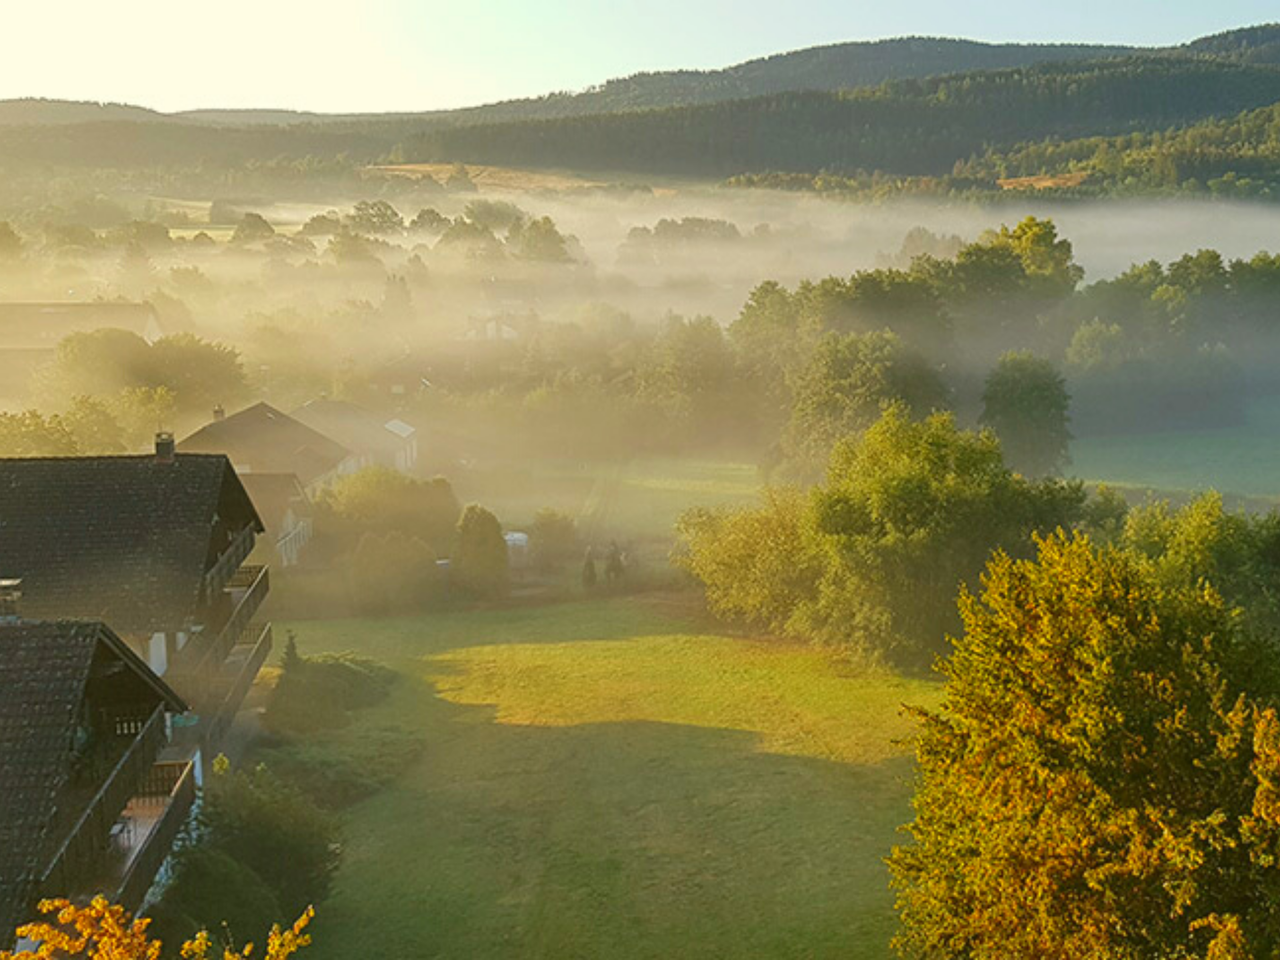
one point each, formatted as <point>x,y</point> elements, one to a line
<point>917,127</point>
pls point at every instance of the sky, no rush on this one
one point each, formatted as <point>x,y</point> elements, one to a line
<point>399,55</point>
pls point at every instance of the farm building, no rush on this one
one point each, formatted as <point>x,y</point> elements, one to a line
<point>372,439</point>
<point>90,802</point>
<point>262,439</point>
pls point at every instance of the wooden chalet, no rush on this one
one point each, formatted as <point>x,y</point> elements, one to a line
<point>154,546</point>
<point>90,802</point>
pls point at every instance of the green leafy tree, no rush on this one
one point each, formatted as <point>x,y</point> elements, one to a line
<point>538,240</point>
<point>480,562</point>
<point>392,573</point>
<point>911,510</point>
<point>382,501</point>
<point>375,217</point>
<point>848,381</point>
<point>1025,401</point>
<point>1104,780</point>
<point>760,566</point>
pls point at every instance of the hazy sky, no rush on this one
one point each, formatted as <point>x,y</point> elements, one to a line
<point>341,55</point>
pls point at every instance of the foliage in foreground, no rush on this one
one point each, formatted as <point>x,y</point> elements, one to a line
<point>106,932</point>
<point>260,848</point>
<point>873,558</point>
<point>1104,778</point>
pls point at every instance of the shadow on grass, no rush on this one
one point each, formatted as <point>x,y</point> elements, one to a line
<point>615,840</point>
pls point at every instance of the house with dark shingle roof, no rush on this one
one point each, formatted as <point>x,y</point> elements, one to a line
<point>373,439</point>
<point>261,439</point>
<point>154,546</point>
<point>89,803</point>
<point>285,510</point>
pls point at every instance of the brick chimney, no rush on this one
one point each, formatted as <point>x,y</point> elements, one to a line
<point>166,449</point>
<point>219,413</point>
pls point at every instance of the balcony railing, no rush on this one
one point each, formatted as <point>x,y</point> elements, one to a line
<point>238,675</point>
<point>195,674</point>
<point>83,846</point>
<point>160,810</point>
<point>227,565</point>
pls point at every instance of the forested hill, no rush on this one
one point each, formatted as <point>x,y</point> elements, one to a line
<point>908,127</point>
<point>838,66</point>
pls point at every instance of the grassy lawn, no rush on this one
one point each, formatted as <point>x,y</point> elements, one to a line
<point>1243,459</point>
<point>616,779</point>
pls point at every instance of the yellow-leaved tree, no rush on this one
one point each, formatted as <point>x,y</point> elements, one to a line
<point>104,931</point>
<point>1104,778</point>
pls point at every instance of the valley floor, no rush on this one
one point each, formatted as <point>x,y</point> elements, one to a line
<point>615,778</point>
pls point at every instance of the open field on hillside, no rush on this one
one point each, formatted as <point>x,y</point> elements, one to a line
<point>616,778</point>
<point>1241,460</point>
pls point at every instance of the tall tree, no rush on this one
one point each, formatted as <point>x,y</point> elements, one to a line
<point>1026,403</point>
<point>1104,780</point>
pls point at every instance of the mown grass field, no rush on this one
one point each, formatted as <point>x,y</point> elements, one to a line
<point>615,778</point>
<point>1242,460</point>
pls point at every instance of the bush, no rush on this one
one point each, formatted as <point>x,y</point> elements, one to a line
<point>318,693</point>
<point>480,561</point>
<point>391,574</point>
<point>338,773</point>
<point>383,501</point>
<point>272,829</point>
<point>210,890</point>
<point>553,539</point>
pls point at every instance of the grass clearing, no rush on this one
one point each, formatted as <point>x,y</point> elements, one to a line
<point>613,778</point>
<point>639,499</point>
<point>1243,459</point>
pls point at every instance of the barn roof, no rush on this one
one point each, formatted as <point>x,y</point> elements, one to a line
<point>125,540</point>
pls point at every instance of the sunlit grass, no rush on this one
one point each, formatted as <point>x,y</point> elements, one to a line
<point>614,779</point>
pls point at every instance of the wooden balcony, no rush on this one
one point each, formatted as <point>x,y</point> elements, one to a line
<point>239,671</point>
<point>91,816</point>
<point>228,565</point>
<point>149,827</point>
<point>196,672</point>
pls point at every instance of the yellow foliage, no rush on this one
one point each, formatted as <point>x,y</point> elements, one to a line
<point>103,931</point>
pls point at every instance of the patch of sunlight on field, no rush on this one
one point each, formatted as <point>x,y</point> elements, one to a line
<point>797,700</point>
<point>617,778</point>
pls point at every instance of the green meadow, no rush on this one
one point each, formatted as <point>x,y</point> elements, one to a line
<point>617,778</point>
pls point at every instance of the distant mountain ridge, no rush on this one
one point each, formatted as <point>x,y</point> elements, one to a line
<point>831,67</point>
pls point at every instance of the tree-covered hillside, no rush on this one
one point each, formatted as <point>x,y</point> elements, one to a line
<point>908,127</point>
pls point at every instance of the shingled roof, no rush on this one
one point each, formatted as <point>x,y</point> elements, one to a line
<point>355,427</point>
<point>125,540</point>
<point>262,439</point>
<point>44,670</point>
